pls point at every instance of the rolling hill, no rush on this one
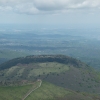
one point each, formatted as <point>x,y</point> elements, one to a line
<point>59,70</point>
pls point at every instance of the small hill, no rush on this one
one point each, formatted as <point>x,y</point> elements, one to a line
<point>60,70</point>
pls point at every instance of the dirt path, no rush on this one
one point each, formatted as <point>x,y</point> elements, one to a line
<point>32,90</point>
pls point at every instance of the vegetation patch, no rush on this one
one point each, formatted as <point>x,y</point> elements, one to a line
<point>49,67</point>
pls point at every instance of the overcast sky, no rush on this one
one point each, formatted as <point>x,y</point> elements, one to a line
<point>51,12</point>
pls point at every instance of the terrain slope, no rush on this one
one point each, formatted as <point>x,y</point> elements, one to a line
<point>60,70</point>
<point>46,91</point>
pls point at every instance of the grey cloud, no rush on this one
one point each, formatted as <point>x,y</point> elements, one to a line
<point>46,6</point>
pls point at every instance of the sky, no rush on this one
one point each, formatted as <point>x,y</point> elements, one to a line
<point>51,13</point>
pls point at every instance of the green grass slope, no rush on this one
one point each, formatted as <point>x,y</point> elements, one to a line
<point>60,70</point>
<point>46,91</point>
<point>32,71</point>
<point>13,92</point>
<point>16,92</point>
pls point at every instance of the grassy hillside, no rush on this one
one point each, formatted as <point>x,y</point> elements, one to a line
<point>47,91</point>
<point>60,70</point>
<point>32,70</point>
<point>15,92</point>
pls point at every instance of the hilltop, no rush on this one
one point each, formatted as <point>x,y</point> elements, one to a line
<point>42,58</point>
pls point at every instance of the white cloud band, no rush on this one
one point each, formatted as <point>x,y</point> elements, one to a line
<point>46,6</point>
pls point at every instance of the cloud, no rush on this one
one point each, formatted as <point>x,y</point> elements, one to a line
<point>28,8</point>
<point>47,6</point>
<point>7,8</point>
